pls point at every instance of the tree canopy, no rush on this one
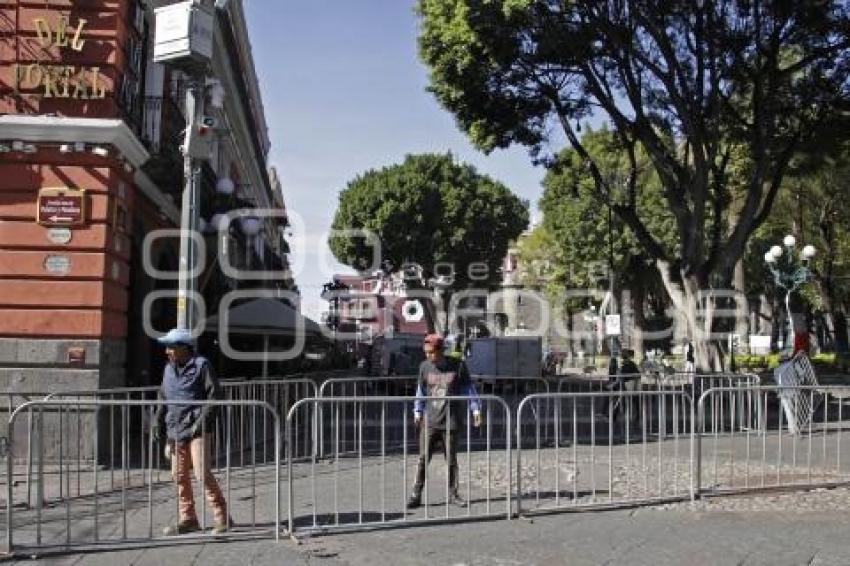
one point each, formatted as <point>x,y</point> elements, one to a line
<point>689,83</point>
<point>429,210</point>
<point>579,222</point>
<point>685,81</point>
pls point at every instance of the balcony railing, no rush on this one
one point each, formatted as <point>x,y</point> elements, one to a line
<point>163,127</point>
<point>163,124</point>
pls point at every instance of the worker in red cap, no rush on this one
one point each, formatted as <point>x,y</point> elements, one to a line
<point>439,377</point>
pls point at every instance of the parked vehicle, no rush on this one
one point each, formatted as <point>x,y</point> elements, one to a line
<point>506,356</point>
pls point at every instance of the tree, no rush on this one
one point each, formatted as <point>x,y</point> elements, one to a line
<point>809,207</point>
<point>430,210</point>
<point>579,226</point>
<point>688,82</point>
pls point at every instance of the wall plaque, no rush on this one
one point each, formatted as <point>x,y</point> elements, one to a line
<point>59,235</point>
<point>57,264</point>
<point>61,207</point>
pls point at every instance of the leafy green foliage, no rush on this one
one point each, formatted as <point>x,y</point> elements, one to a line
<point>428,210</point>
<point>578,222</point>
<point>685,83</point>
<point>811,206</point>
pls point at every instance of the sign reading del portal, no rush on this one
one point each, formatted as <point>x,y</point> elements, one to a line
<point>61,207</point>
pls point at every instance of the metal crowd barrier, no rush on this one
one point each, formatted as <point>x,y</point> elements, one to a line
<point>755,447</point>
<point>91,459</point>
<point>251,441</point>
<point>608,449</point>
<point>510,389</point>
<point>13,400</point>
<point>103,514</point>
<point>591,383</point>
<point>369,486</point>
<point>655,381</point>
<point>281,394</point>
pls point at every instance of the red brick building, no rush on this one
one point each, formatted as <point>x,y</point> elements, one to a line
<point>90,130</point>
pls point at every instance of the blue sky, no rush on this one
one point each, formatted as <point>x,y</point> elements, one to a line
<point>344,92</point>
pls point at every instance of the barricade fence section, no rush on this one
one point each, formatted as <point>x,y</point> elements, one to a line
<point>334,433</point>
<point>281,394</point>
<point>94,503</point>
<point>68,436</point>
<point>373,466</point>
<point>686,382</point>
<point>510,389</point>
<point>81,468</point>
<point>250,439</point>
<point>594,383</point>
<point>745,441</point>
<point>11,400</point>
<point>605,449</point>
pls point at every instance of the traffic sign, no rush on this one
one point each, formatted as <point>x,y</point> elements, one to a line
<point>61,207</point>
<point>612,325</point>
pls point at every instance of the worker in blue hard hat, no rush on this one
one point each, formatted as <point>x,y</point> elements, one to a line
<point>188,429</point>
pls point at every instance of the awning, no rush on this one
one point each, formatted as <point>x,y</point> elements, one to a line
<point>265,317</point>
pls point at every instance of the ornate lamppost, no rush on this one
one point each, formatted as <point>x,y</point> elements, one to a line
<point>789,271</point>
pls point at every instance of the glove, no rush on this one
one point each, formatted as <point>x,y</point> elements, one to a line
<point>476,419</point>
<point>168,450</point>
<point>417,418</point>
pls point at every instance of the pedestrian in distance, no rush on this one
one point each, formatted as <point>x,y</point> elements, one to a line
<point>438,420</point>
<point>187,430</point>
<point>628,374</point>
<point>690,361</point>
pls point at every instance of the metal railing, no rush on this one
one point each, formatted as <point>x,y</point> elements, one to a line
<point>369,485</point>
<point>249,445</point>
<point>13,400</point>
<point>741,449</point>
<point>606,449</point>
<point>89,456</point>
<point>101,513</point>
<point>682,381</point>
<point>510,389</point>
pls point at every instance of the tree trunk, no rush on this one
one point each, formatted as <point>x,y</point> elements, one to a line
<point>839,323</point>
<point>639,318</point>
<point>836,319</point>
<point>742,306</point>
<point>684,292</point>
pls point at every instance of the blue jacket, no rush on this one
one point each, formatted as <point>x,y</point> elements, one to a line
<point>194,381</point>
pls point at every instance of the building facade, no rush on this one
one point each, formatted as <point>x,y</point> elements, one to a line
<point>91,171</point>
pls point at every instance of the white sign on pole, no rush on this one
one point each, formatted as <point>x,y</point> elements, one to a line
<point>759,345</point>
<point>612,325</point>
<point>184,34</point>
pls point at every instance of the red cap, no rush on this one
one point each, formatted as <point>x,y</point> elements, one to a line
<point>434,340</point>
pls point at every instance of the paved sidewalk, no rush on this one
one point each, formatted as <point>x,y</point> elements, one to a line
<point>646,536</point>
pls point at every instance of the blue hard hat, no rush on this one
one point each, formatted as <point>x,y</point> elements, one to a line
<point>178,337</point>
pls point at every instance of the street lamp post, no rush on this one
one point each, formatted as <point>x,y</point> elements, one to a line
<point>184,40</point>
<point>612,309</point>
<point>788,273</point>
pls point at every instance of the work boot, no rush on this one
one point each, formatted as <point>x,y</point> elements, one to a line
<point>415,500</point>
<point>457,500</point>
<point>219,528</point>
<point>182,528</point>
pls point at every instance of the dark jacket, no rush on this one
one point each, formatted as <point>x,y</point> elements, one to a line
<point>447,378</point>
<point>195,381</point>
<point>628,372</point>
